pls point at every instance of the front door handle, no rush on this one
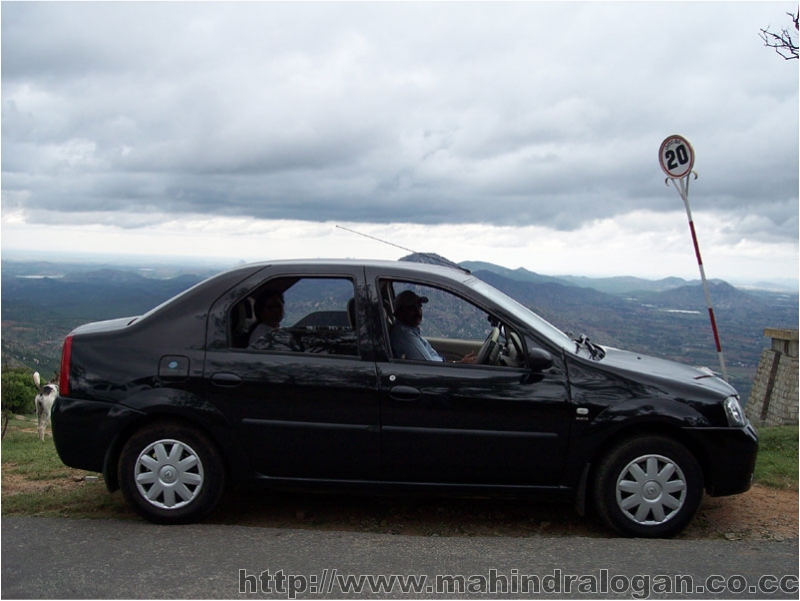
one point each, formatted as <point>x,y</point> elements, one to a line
<point>226,379</point>
<point>405,393</point>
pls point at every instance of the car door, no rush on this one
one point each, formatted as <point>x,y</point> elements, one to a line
<point>471,424</point>
<point>306,409</point>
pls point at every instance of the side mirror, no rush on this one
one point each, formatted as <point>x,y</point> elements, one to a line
<point>539,360</point>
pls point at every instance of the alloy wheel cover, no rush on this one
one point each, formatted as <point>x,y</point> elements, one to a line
<point>651,490</point>
<point>169,474</point>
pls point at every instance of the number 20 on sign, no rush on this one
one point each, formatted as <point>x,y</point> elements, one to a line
<point>676,157</point>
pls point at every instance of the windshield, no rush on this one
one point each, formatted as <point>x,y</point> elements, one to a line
<point>545,328</point>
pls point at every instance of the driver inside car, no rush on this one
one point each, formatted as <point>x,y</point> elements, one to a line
<point>406,339</point>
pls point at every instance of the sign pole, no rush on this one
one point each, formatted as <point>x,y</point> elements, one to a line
<point>677,159</point>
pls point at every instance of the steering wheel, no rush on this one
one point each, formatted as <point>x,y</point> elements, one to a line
<point>513,350</point>
<point>490,349</point>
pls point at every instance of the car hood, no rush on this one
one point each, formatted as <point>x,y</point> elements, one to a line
<point>664,370</point>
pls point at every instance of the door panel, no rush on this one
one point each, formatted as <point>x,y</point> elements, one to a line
<point>471,424</point>
<point>465,423</point>
<point>302,416</point>
<point>308,409</point>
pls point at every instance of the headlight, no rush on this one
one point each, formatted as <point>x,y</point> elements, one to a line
<point>734,412</point>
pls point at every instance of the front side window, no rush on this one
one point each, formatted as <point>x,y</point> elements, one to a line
<point>425,323</point>
<point>297,315</point>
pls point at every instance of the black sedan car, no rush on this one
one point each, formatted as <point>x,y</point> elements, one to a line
<point>210,389</point>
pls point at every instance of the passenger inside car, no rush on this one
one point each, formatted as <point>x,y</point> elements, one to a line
<point>315,315</point>
<point>269,311</point>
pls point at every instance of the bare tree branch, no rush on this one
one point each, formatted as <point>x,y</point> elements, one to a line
<point>784,43</point>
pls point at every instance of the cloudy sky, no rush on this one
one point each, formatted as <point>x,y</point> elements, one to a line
<point>525,134</point>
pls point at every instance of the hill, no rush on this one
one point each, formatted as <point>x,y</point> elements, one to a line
<point>723,296</point>
<point>520,274</point>
<point>627,284</point>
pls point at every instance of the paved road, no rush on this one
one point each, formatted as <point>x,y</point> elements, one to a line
<point>105,559</point>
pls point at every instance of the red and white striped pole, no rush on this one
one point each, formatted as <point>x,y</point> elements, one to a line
<point>676,156</point>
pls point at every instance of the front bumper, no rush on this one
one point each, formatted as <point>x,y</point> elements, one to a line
<point>728,456</point>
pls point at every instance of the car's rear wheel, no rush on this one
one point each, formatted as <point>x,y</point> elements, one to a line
<point>649,486</point>
<point>171,474</point>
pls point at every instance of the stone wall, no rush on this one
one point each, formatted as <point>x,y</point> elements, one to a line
<point>774,397</point>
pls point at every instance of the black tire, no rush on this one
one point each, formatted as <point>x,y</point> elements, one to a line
<point>648,486</point>
<point>170,473</point>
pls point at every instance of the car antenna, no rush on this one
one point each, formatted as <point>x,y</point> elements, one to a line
<point>432,257</point>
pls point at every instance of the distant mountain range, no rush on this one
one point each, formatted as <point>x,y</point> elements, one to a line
<point>610,285</point>
<point>674,292</point>
<point>100,294</point>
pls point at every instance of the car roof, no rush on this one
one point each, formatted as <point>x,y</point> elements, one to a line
<point>409,266</point>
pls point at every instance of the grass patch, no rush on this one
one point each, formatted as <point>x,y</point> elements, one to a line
<point>36,483</point>
<point>777,461</point>
<point>28,456</point>
<point>87,500</point>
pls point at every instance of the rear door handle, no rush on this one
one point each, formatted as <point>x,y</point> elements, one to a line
<point>405,393</point>
<point>226,379</point>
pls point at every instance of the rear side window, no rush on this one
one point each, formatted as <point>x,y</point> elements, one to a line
<point>297,315</point>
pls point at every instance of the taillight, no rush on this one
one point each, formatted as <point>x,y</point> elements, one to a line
<point>66,357</point>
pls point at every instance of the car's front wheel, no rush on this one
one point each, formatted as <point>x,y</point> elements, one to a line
<point>649,486</point>
<point>171,474</point>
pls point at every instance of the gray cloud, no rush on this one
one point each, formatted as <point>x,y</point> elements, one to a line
<point>522,113</point>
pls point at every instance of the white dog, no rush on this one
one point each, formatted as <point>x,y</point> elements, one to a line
<point>44,402</point>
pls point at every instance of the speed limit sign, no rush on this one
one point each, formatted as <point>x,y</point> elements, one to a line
<point>676,157</point>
